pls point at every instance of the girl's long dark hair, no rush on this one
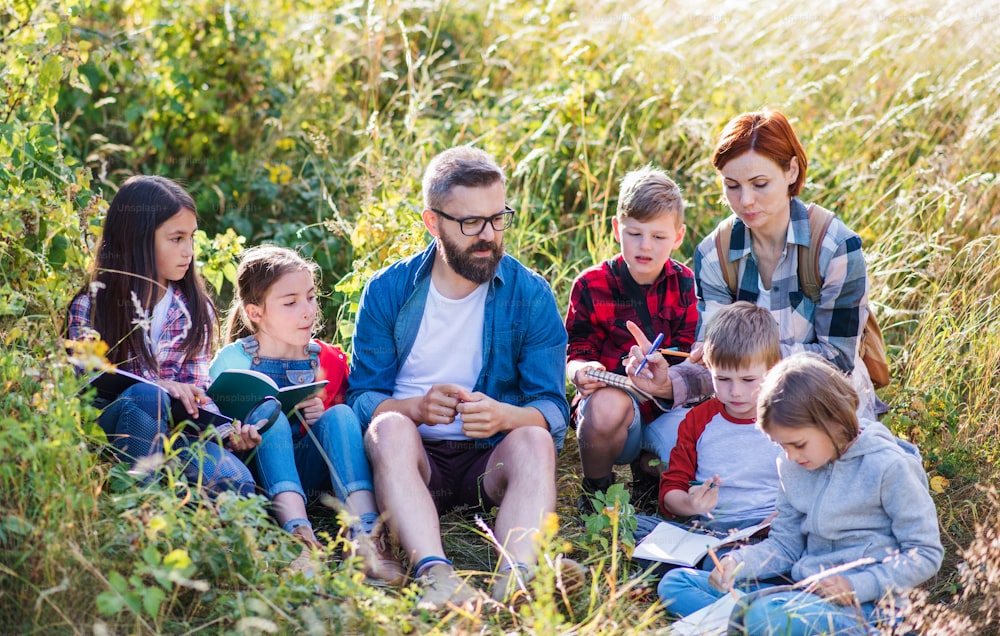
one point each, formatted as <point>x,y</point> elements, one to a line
<point>125,268</point>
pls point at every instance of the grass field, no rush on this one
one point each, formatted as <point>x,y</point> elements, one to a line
<point>309,123</point>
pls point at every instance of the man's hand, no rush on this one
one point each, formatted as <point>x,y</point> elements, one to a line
<point>585,385</point>
<point>482,416</point>
<point>653,378</point>
<point>438,406</point>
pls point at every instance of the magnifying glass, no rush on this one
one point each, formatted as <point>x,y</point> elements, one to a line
<point>261,416</point>
<point>264,414</point>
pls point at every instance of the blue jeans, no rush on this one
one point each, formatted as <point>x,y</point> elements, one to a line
<point>138,422</point>
<point>660,435</point>
<point>330,454</point>
<point>792,612</point>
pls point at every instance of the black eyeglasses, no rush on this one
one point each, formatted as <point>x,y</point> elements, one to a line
<point>474,225</point>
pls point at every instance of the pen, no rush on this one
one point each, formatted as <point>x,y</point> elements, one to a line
<point>672,351</point>
<point>718,566</point>
<point>698,483</point>
<point>652,349</point>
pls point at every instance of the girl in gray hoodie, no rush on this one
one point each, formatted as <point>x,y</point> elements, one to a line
<point>856,523</point>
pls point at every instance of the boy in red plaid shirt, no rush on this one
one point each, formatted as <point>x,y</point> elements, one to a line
<point>641,285</point>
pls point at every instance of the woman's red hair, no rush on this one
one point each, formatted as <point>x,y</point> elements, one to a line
<point>768,133</point>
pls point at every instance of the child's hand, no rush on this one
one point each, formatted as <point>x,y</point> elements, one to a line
<point>188,394</point>
<point>653,378</point>
<point>310,410</point>
<point>722,577</point>
<point>585,384</point>
<point>243,438</point>
<point>705,496</point>
<point>835,589</point>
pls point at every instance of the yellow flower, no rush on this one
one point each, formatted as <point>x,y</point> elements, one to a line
<point>278,174</point>
<point>157,524</point>
<point>939,483</point>
<point>177,559</point>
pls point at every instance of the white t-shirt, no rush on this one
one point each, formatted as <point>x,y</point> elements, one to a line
<point>448,349</point>
<point>159,318</point>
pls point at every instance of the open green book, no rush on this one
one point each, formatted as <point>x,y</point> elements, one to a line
<point>236,391</point>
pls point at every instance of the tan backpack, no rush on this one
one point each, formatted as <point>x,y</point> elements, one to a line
<point>872,347</point>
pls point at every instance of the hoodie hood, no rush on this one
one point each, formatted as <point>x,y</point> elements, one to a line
<point>875,437</point>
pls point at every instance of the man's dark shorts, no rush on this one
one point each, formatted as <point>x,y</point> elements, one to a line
<point>458,468</point>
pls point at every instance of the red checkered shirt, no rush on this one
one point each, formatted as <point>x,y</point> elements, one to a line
<point>599,306</point>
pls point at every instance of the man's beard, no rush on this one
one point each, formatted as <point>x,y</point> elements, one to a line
<point>474,268</point>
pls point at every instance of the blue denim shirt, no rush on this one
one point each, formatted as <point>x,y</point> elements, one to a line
<point>524,341</point>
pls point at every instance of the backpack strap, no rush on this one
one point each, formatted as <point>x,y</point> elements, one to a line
<point>810,279</point>
<point>723,239</point>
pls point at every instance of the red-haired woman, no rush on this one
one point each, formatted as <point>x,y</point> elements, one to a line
<point>763,167</point>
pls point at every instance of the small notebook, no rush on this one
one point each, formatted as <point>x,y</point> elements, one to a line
<point>622,382</point>
<point>712,620</point>
<point>672,544</point>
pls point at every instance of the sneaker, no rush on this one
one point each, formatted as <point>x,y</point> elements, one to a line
<point>305,564</point>
<point>441,585</point>
<point>571,577</point>
<point>645,490</point>
<point>584,505</point>
<point>376,555</point>
<point>511,586</point>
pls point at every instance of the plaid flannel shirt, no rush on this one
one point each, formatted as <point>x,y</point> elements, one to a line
<point>173,366</point>
<point>599,307</point>
<point>832,328</point>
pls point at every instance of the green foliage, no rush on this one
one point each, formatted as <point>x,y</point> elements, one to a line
<point>614,522</point>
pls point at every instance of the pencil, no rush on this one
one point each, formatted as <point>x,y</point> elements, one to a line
<point>718,566</point>
<point>674,352</point>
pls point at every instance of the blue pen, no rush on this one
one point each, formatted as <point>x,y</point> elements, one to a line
<point>656,343</point>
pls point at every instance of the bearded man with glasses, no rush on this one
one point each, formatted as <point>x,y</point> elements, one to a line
<point>457,371</point>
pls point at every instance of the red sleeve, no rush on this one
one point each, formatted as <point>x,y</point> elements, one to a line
<point>685,331</point>
<point>332,367</point>
<point>683,464</point>
<point>584,328</point>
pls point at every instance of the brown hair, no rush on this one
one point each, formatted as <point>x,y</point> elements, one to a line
<point>260,267</point>
<point>739,334</point>
<point>460,166</point>
<point>647,193</point>
<point>806,391</point>
<point>766,132</point>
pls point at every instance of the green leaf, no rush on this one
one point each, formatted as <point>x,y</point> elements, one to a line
<point>152,598</point>
<point>109,603</point>
<point>118,582</point>
<point>150,555</point>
